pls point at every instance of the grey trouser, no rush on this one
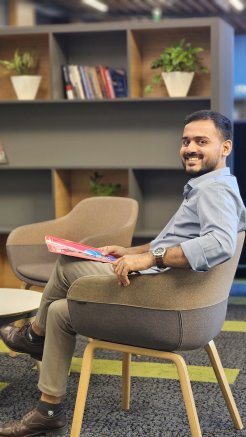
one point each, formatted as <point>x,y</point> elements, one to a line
<point>53,317</point>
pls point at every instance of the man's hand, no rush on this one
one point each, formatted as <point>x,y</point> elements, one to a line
<point>116,251</point>
<point>131,263</point>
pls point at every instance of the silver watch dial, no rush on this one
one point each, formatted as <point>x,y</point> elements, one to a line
<point>159,251</point>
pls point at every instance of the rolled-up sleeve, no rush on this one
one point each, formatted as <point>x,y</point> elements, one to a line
<point>217,213</point>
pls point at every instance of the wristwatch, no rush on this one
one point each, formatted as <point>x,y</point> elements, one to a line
<point>159,253</point>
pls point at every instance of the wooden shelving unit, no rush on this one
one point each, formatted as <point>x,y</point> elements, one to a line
<point>54,145</point>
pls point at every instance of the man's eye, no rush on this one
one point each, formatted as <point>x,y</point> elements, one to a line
<point>202,142</point>
<point>185,142</point>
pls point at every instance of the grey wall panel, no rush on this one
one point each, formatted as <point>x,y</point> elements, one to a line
<point>104,134</point>
<point>25,197</point>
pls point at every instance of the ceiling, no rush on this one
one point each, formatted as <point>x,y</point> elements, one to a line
<point>75,11</point>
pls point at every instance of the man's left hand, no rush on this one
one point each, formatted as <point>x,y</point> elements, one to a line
<point>131,263</point>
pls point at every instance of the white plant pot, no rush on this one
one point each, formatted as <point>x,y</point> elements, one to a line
<point>177,83</point>
<point>26,87</point>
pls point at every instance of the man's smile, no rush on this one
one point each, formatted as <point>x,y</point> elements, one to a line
<point>192,158</point>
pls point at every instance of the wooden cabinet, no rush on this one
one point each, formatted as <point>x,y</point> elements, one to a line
<point>54,145</point>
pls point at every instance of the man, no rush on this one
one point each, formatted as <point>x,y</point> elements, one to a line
<point>200,235</point>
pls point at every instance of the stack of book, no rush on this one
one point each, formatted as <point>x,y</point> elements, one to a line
<point>98,82</point>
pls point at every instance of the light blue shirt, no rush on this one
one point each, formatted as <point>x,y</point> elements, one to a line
<point>207,222</point>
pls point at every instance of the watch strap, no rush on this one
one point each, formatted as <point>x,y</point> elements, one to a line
<point>159,262</point>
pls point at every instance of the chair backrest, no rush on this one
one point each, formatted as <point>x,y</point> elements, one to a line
<point>96,221</point>
<point>104,215</point>
<point>90,216</point>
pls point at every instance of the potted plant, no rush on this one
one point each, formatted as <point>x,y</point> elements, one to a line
<point>177,65</point>
<point>100,189</point>
<point>22,67</point>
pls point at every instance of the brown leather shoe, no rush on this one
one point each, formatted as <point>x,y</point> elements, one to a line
<point>17,340</point>
<point>34,423</point>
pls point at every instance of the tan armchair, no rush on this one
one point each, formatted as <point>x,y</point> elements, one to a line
<point>155,316</point>
<point>96,221</point>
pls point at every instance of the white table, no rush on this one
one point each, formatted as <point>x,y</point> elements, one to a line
<point>16,304</point>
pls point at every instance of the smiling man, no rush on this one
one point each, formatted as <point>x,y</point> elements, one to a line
<point>202,234</point>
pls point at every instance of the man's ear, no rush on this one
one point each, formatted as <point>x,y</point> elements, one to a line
<point>227,147</point>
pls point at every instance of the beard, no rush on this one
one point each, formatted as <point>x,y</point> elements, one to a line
<point>207,168</point>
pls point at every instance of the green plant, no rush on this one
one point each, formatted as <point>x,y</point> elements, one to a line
<point>21,63</point>
<point>100,189</point>
<point>181,56</point>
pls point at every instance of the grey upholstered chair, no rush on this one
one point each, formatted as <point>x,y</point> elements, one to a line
<point>96,221</point>
<point>154,316</point>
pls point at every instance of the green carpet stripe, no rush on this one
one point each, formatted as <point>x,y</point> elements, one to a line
<point>237,300</point>
<point>147,369</point>
<point>153,370</point>
<point>3,385</point>
<point>3,347</point>
<point>234,326</point>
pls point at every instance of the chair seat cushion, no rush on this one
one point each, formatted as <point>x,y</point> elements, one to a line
<point>143,327</point>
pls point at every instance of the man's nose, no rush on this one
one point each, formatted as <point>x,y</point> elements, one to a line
<point>192,147</point>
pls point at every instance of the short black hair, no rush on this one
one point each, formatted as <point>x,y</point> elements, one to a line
<point>222,123</point>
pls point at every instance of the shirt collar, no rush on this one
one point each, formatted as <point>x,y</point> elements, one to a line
<point>196,181</point>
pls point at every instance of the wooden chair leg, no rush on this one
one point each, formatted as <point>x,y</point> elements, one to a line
<point>223,383</point>
<point>187,393</point>
<point>82,390</point>
<point>25,286</point>
<point>126,380</point>
<point>20,323</point>
<point>127,351</point>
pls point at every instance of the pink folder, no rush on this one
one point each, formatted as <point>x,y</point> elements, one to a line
<point>71,248</point>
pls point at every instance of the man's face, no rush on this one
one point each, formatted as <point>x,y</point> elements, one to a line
<point>203,148</point>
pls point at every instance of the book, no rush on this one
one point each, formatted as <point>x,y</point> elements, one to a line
<point>109,83</point>
<point>104,76</point>
<point>90,79</point>
<point>95,82</point>
<point>79,250</point>
<point>3,156</point>
<point>67,83</point>
<point>76,81</point>
<point>85,81</point>
<point>101,82</point>
<point>119,81</point>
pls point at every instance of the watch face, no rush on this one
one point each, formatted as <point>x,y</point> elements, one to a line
<point>158,251</point>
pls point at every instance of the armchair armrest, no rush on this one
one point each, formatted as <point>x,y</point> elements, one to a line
<point>175,289</point>
<point>34,233</point>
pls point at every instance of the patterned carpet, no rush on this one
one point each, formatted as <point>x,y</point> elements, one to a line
<point>157,407</point>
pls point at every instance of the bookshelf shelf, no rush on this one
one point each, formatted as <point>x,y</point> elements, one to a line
<point>53,145</point>
<point>126,100</point>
